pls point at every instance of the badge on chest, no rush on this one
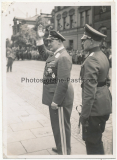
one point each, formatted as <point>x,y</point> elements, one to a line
<point>50,70</point>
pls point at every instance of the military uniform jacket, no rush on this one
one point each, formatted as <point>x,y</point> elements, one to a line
<point>56,78</point>
<point>96,101</point>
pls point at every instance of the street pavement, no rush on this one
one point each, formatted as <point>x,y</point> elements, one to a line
<point>28,123</point>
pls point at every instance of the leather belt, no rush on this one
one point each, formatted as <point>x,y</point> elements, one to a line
<point>49,81</point>
<point>101,84</point>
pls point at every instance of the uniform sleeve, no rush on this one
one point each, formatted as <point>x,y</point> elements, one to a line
<point>108,81</point>
<point>90,80</point>
<point>43,51</point>
<point>63,73</point>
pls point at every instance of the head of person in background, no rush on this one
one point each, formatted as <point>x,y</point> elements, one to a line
<point>77,52</point>
<point>8,50</point>
<point>55,41</point>
<point>104,49</point>
<point>91,38</point>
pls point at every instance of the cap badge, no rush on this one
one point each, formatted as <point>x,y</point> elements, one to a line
<point>49,70</point>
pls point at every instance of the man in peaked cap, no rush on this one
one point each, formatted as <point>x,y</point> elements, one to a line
<point>96,97</point>
<point>58,92</point>
<point>55,35</point>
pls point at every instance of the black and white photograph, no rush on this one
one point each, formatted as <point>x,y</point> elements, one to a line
<point>58,79</point>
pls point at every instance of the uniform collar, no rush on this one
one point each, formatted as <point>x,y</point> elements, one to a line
<point>95,49</point>
<point>59,49</point>
<point>52,57</point>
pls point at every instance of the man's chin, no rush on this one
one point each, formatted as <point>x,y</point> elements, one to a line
<point>86,49</point>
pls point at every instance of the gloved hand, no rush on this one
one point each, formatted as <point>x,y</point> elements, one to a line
<point>40,31</point>
<point>54,106</point>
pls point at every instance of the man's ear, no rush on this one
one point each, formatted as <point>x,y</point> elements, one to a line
<point>91,41</point>
<point>60,41</point>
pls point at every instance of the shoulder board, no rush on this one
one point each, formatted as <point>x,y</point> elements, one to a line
<point>91,54</point>
<point>57,55</point>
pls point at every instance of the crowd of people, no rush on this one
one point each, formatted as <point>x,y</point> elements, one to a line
<point>22,53</point>
<point>78,57</point>
<point>31,53</point>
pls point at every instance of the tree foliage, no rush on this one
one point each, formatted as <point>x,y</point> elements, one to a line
<point>26,35</point>
<point>8,43</point>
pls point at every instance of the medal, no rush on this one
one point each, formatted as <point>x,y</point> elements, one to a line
<point>53,75</point>
<point>49,70</point>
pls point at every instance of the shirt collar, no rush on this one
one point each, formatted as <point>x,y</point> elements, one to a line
<point>58,50</point>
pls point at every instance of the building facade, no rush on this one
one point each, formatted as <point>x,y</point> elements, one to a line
<point>70,21</point>
<point>102,21</point>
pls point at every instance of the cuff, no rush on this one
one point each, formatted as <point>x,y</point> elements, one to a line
<point>54,103</point>
<point>39,42</point>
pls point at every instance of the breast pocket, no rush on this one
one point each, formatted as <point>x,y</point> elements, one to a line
<point>52,66</point>
<point>52,90</point>
<point>103,101</point>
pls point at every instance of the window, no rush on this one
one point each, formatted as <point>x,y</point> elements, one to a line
<point>59,8</point>
<point>87,16</point>
<point>64,22</point>
<point>103,9</point>
<point>103,30</point>
<point>58,21</point>
<point>71,14</point>
<point>71,44</point>
<point>64,15</point>
<point>81,19</point>
<point>71,21</point>
<point>18,28</point>
<point>58,24</point>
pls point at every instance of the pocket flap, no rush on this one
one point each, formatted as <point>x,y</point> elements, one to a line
<point>52,89</point>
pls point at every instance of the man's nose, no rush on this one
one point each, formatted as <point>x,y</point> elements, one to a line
<point>82,42</point>
<point>48,43</point>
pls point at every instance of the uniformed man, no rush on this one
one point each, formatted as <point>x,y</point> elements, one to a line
<point>58,92</point>
<point>96,97</point>
<point>10,57</point>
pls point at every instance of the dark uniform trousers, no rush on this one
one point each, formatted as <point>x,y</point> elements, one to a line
<point>56,129</point>
<point>92,134</point>
<point>9,64</point>
<point>96,100</point>
<point>59,66</point>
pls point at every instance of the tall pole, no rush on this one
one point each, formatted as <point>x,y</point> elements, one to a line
<point>36,11</point>
<point>92,15</point>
